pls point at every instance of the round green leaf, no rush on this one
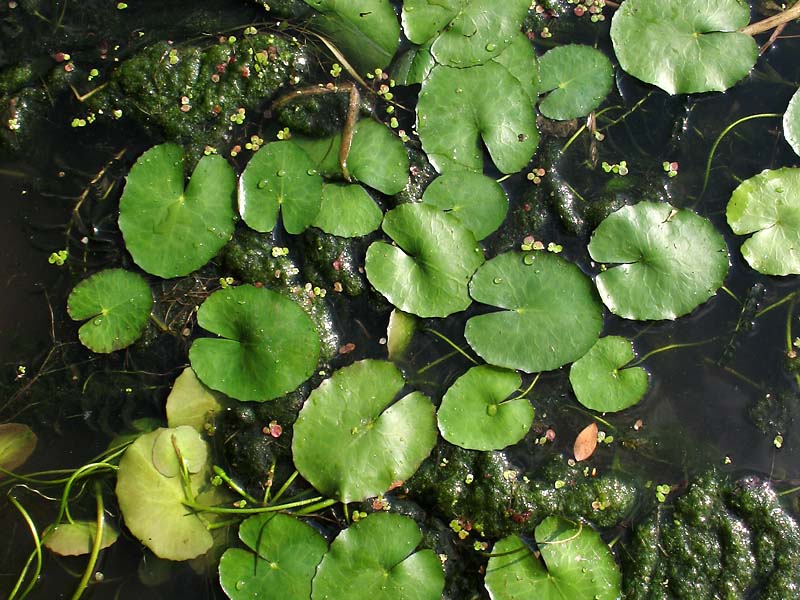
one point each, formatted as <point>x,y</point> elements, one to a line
<point>116,305</point>
<point>576,79</point>
<point>193,449</point>
<point>459,107</point>
<point>768,205</point>
<point>190,402</point>
<point>427,272</point>
<point>280,176</point>
<point>575,565</point>
<point>268,344</point>
<point>671,261</point>
<point>152,505</point>
<point>352,440</point>
<point>464,32</point>
<point>600,383</point>
<point>347,211</point>
<point>791,123</point>
<point>17,443</point>
<point>551,317</point>
<point>684,46</point>
<point>77,538</point>
<point>374,558</point>
<point>377,157</point>
<point>287,552</point>
<point>477,413</point>
<point>170,231</point>
<point>479,202</point>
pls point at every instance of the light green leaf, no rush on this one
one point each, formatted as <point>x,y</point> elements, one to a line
<point>400,332</point>
<point>551,313</point>
<point>428,271</point>
<point>464,32</point>
<point>458,108</point>
<point>267,346</point>
<point>374,558</point>
<point>352,440</point>
<point>576,80</point>
<point>670,261</point>
<point>477,413</point>
<point>791,123</point>
<point>280,176</point>
<point>116,305</point>
<point>193,449</point>
<point>152,505</point>
<point>347,211</point>
<point>479,202</point>
<point>768,205</point>
<point>287,552</point>
<point>77,538</point>
<point>190,402</point>
<point>575,565</point>
<point>17,443</point>
<point>169,231</point>
<point>684,46</point>
<point>599,381</point>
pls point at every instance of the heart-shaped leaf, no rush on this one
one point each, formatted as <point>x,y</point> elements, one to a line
<point>268,344</point>
<point>551,313</point>
<point>459,107</point>
<point>428,271</point>
<point>171,231</point>
<point>17,443</point>
<point>684,46</point>
<point>190,402</point>
<point>599,381</point>
<point>347,211</point>
<point>285,554</point>
<point>768,205</point>
<point>575,564</point>
<point>280,176</point>
<point>477,413</point>
<point>374,558</point>
<point>791,123</point>
<point>576,80</point>
<point>670,261</point>
<point>464,33</point>
<point>474,199</point>
<point>116,305</point>
<point>77,538</point>
<point>352,440</point>
<point>152,504</point>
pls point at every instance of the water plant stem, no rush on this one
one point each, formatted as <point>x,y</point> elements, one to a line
<point>223,510</point>
<point>96,545</point>
<point>784,300</point>
<point>219,472</point>
<point>664,349</point>
<point>37,553</point>
<point>285,486</point>
<point>452,344</point>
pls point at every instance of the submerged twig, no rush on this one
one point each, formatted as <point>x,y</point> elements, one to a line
<point>790,14</point>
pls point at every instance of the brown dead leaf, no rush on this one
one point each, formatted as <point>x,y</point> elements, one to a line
<point>585,443</point>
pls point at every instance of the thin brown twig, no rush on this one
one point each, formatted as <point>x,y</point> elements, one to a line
<point>790,14</point>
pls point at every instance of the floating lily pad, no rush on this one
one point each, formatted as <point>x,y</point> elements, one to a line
<point>400,332</point>
<point>684,46</point>
<point>77,538</point>
<point>599,381</point>
<point>190,402</point>
<point>116,305</point>
<point>352,439</point>
<point>464,32</point>
<point>287,552</point>
<point>366,32</point>
<point>152,505</point>
<point>576,80</point>
<point>477,413</point>
<point>428,271</point>
<point>17,443</point>
<point>768,205</point>
<point>193,449</point>
<point>519,58</point>
<point>280,176</point>
<point>374,558</point>
<point>459,107</point>
<point>347,211</point>
<point>171,231</point>
<point>479,202</point>
<point>791,123</point>
<point>267,347</point>
<point>377,157</point>
<point>575,565</point>
<point>551,313</point>
<point>670,261</point>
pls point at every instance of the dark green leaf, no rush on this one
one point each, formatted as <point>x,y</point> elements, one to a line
<point>576,80</point>
<point>347,211</point>
<point>479,202</point>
